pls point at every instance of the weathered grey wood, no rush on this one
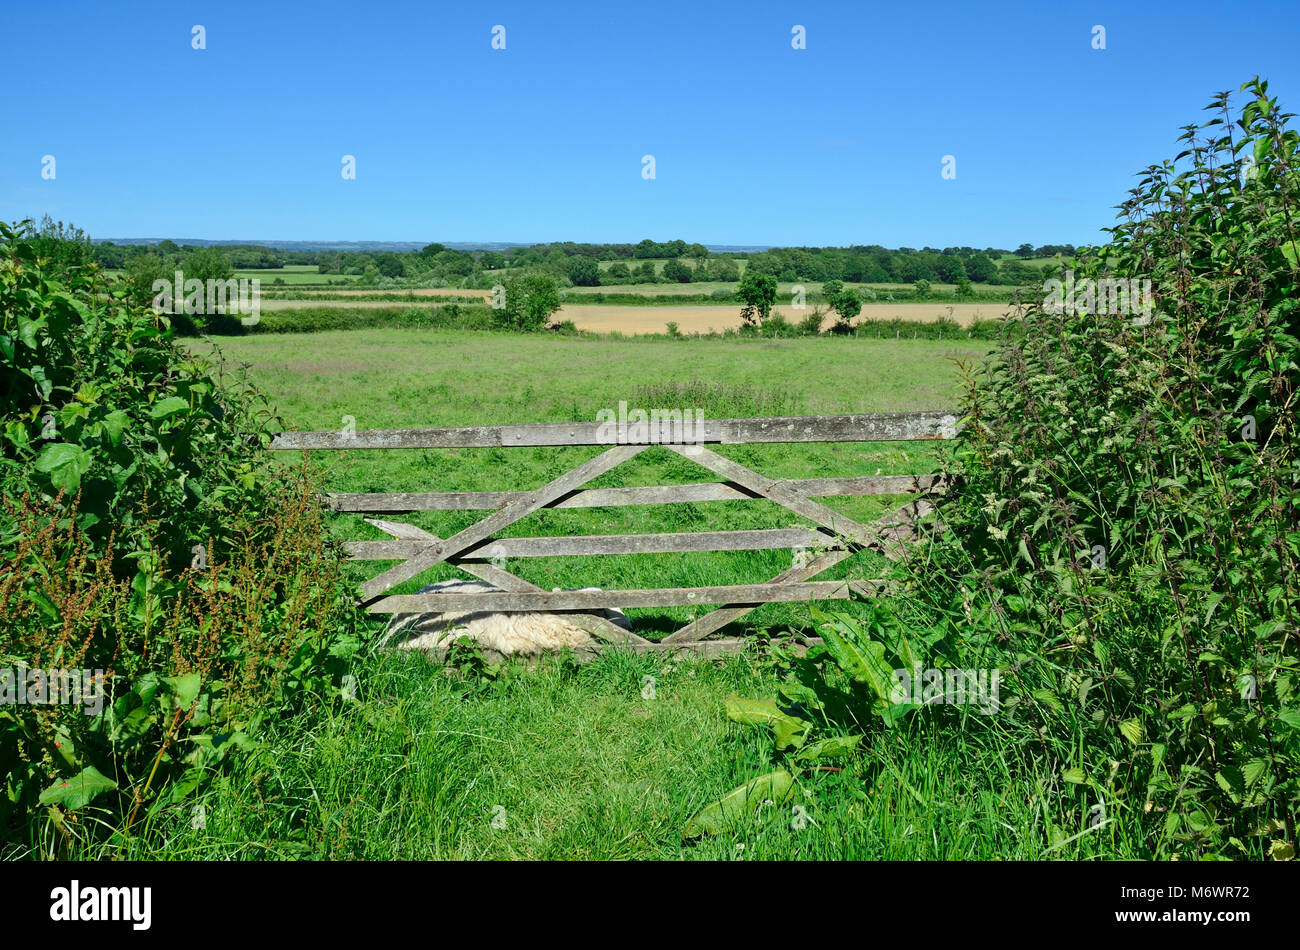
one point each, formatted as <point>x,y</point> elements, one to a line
<point>899,526</point>
<point>699,648</point>
<point>472,548</point>
<point>869,587</point>
<point>403,530</point>
<point>756,540</point>
<point>596,626</point>
<point>907,513</point>
<point>704,648</point>
<point>869,427</point>
<point>401,502</point>
<point>714,647</point>
<point>717,619</point>
<point>590,599</point>
<point>780,492</point>
<point>435,553</point>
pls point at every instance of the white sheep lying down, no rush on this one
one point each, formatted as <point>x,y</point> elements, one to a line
<point>522,634</point>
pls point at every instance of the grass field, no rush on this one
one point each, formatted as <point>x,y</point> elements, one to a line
<point>576,761</point>
<point>394,378</point>
<point>296,276</point>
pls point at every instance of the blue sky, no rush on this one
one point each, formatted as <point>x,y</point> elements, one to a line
<point>754,142</point>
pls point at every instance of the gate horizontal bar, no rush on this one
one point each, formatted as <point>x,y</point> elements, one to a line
<point>668,543</point>
<point>402,502</point>
<point>507,602</point>
<point>867,427</point>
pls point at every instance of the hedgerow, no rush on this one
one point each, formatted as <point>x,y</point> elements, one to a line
<point>145,538</point>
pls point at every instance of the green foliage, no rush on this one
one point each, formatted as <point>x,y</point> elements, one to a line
<point>446,316</point>
<point>390,265</point>
<point>758,293</point>
<point>206,263</point>
<point>740,804</point>
<point>846,304</point>
<point>142,533</point>
<point>675,270</point>
<point>848,679</point>
<point>141,272</point>
<point>981,269</point>
<point>62,246</point>
<point>584,272</point>
<point>645,273</point>
<point>811,325</point>
<point>99,402</point>
<point>1124,530</point>
<point>724,269</point>
<point>530,300</point>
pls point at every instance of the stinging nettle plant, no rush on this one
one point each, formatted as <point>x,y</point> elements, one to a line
<point>1121,533</point>
<point>1093,429</point>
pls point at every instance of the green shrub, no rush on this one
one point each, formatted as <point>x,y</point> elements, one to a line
<point>811,325</point>
<point>529,302</point>
<point>143,534</point>
<point>99,403</point>
<point>1121,535</point>
<point>1125,532</point>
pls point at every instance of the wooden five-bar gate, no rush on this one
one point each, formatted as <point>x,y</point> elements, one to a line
<point>828,540</point>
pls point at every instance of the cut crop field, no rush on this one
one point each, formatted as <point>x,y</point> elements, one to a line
<point>634,320</point>
<point>605,318</point>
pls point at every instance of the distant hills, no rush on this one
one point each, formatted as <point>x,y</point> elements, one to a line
<point>363,246</point>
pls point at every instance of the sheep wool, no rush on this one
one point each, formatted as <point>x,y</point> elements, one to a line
<point>509,634</point>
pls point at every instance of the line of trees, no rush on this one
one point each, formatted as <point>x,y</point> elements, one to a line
<point>592,265</point>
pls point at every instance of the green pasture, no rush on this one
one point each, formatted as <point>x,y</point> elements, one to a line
<point>388,378</point>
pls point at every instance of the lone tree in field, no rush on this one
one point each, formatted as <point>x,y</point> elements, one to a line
<point>758,293</point>
<point>846,304</point>
<point>526,302</point>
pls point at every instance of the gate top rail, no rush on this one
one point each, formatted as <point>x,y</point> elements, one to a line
<point>865,427</point>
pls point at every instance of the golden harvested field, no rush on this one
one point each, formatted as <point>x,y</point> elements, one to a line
<point>635,319</point>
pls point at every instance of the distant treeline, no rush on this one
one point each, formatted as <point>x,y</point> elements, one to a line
<point>593,265</point>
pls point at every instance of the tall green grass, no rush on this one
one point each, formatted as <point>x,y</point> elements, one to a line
<point>572,761</point>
